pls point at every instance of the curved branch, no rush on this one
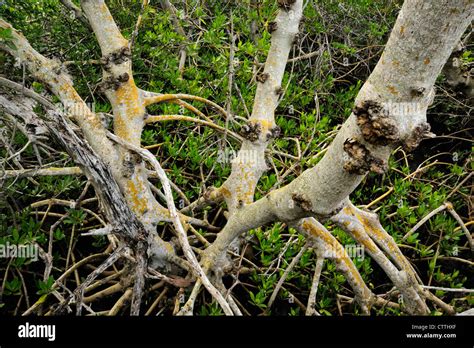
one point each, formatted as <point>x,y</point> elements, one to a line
<point>327,246</point>
<point>162,118</point>
<point>261,127</point>
<point>151,98</point>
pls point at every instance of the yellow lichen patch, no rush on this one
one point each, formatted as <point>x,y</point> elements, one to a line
<point>352,270</point>
<point>67,91</point>
<point>169,248</point>
<point>392,90</point>
<point>336,249</point>
<point>103,9</point>
<point>402,30</point>
<point>366,242</point>
<point>159,99</point>
<point>380,235</point>
<point>248,196</point>
<point>214,194</point>
<point>127,95</point>
<point>135,197</point>
<point>167,214</point>
<point>324,235</point>
<point>377,233</point>
<point>119,125</point>
<point>317,232</point>
<point>245,191</point>
<point>347,210</point>
<point>265,125</point>
<point>360,236</point>
<point>225,192</point>
<point>129,108</point>
<point>107,16</point>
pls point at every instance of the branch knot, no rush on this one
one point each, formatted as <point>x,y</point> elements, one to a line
<point>375,123</point>
<point>302,201</point>
<point>251,131</point>
<point>361,160</point>
<point>421,131</point>
<point>285,4</point>
<point>117,57</point>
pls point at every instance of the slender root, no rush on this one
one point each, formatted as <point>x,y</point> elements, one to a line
<point>78,294</point>
<point>285,275</point>
<point>311,308</point>
<point>159,98</point>
<point>328,247</point>
<point>104,293</point>
<point>188,307</point>
<point>455,215</point>
<point>356,224</point>
<point>141,267</point>
<point>121,302</point>
<point>384,240</point>
<point>162,118</point>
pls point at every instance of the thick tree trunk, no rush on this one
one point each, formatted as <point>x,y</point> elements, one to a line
<point>390,111</point>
